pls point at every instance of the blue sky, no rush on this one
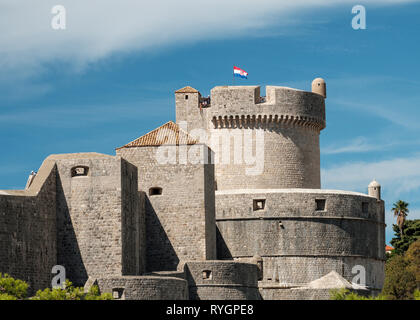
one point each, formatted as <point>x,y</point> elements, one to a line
<point>110,77</point>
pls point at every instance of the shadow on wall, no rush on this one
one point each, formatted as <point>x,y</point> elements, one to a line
<point>222,249</point>
<point>160,254</point>
<point>68,251</point>
<point>192,285</point>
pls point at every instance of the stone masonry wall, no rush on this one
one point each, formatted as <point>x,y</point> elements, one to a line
<point>282,130</point>
<point>28,230</point>
<point>98,215</point>
<point>178,221</point>
<point>258,156</point>
<point>297,242</point>
<point>144,287</point>
<point>218,280</point>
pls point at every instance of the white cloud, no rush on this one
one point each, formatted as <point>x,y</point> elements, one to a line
<point>100,28</point>
<point>397,176</point>
<point>359,144</point>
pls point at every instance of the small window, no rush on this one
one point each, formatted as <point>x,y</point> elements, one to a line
<point>320,204</point>
<point>186,97</point>
<point>155,191</point>
<point>207,275</point>
<point>118,293</point>
<point>365,207</point>
<point>79,171</point>
<point>259,204</point>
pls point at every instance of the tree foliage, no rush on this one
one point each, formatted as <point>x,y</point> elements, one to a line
<point>346,294</point>
<point>400,281</point>
<point>412,256</point>
<point>71,293</point>
<point>12,289</point>
<point>410,234</point>
<point>400,210</point>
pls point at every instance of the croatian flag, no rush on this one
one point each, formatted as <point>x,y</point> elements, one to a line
<point>238,72</point>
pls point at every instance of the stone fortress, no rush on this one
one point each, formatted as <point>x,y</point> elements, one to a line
<point>143,228</point>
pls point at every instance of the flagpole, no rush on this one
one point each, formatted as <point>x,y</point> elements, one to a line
<point>233,74</point>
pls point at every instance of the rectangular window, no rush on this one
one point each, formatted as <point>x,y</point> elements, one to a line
<point>207,275</point>
<point>259,204</point>
<point>365,207</point>
<point>320,204</point>
<point>118,293</point>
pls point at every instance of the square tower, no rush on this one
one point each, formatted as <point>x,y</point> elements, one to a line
<point>190,112</point>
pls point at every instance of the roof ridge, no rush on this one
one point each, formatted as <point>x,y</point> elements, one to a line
<point>152,137</point>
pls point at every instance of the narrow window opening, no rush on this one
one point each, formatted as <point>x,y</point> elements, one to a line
<point>259,204</point>
<point>207,275</point>
<point>320,204</point>
<point>186,97</point>
<point>118,293</point>
<point>155,191</point>
<point>365,207</point>
<point>79,171</point>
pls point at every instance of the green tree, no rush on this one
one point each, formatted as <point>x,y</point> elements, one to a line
<point>71,293</point>
<point>411,233</point>
<point>12,289</point>
<point>413,258</point>
<point>400,281</point>
<point>400,210</point>
<point>345,294</point>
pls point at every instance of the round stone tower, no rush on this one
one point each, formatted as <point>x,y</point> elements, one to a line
<point>267,142</point>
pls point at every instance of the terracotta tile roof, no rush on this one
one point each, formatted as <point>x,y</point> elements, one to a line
<point>187,89</point>
<point>169,133</point>
<point>388,248</point>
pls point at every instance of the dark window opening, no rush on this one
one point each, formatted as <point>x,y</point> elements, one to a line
<point>118,293</point>
<point>207,275</point>
<point>365,207</point>
<point>259,204</point>
<point>156,191</point>
<point>186,97</point>
<point>320,204</point>
<point>79,171</point>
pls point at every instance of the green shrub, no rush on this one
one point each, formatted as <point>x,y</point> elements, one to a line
<point>400,281</point>
<point>345,294</point>
<point>12,289</point>
<point>71,293</point>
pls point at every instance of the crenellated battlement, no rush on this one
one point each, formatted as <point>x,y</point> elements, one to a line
<point>243,106</point>
<point>266,122</point>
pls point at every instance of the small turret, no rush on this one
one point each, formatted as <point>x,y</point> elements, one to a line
<point>319,86</point>
<point>187,102</point>
<point>374,189</point>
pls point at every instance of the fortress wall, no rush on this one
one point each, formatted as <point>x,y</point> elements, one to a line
<point>273,293</point>
<point>209,202</point>
<point>300,270</point>
<point>177,221</point>
<point>188,110</point>
<point>241,101</point>
<point>219,280</point>
<point>144,287</point>
<point>133,222</point>
<point>28,230</point>
<point>289,232</point>
<point>278,156</point>
<point>94,217</point>
<point>271,143</point>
